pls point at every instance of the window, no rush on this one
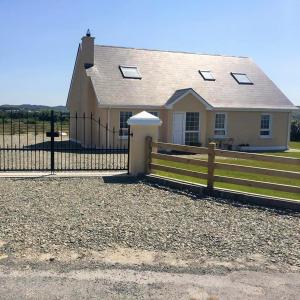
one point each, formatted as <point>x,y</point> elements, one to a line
<point>207,75</point>
<point>124,116</point>
<point>154,113</point>
<point>220,125</point>
<point>241,78</point>
<point>130,72</point>
<point>192,129</point>
<point>265,126</point>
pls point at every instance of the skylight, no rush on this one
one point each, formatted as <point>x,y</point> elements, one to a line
<point>130,72</point>
<point>241,78</point>
<point>207,75</point>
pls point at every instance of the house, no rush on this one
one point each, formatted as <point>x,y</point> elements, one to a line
<point>199,97</point>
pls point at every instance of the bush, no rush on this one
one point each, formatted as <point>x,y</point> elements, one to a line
<point>295,131</point>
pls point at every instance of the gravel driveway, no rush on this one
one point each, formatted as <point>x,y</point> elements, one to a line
<point>84,220</point>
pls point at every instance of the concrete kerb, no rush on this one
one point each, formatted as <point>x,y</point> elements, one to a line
<point>234,196</point>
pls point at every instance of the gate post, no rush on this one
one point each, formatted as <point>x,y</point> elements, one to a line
<point>52,141</point>
<point>211,166</point>
<point>142,125</point>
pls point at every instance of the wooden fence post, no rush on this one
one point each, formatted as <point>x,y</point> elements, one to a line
<point>148,153</point>
<point>211,166</point>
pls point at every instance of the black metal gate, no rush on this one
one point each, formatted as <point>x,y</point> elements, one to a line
<point>51,141</point>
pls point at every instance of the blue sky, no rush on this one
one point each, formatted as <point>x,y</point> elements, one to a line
<point>39,39</point>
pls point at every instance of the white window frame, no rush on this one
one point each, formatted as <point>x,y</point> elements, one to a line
<point>192,131</point>
<point>138,76</point>
<point>264,129</point>
<point>225,125</point>
<point>123,137</point>
<point>235,76</point>
<point>202,73</point>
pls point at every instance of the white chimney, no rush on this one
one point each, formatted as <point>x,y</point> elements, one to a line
<point>87,50</point>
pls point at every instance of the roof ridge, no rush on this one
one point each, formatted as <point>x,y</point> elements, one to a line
<point>171,51</point>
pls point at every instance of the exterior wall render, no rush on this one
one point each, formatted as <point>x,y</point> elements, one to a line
<point>244,128</point>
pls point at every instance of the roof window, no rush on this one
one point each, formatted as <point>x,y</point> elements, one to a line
<point>207,75</point>
<point>241,78</point>
<point>130,72</point>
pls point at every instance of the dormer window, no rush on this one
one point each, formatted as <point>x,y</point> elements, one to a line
<point>130,72</point>
<point>241,78</point>
<point>207,75</point>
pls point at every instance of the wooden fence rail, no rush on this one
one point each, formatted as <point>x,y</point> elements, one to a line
<point>208,161</point>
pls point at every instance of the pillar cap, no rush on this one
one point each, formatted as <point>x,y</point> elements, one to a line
<point>144,118</point>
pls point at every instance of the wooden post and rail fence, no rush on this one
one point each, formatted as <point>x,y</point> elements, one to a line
<point>212,165</point>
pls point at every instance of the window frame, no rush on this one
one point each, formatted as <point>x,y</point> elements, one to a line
<point>130,77</point>
<point>207,79</point>
<point>225,125</point>
<point>192,131</point>
<point>125,136</point>
<point>235,78</point>
<point>153,113</point>
<point>264,129</point>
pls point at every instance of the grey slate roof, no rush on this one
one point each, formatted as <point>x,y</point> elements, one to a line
<point>165,74</point>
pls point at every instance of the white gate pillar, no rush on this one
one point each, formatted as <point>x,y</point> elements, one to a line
<point>141,125</point>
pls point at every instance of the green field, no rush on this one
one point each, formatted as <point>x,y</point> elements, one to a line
<point>236,174</point>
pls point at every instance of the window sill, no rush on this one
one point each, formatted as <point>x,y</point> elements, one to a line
<point>265,136</point>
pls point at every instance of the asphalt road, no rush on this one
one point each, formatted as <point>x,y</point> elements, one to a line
<point>132,284</point>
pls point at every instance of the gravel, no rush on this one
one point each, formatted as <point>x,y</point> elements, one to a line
<point>87,216</point>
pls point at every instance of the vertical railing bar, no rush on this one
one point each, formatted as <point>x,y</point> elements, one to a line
<point>113,149</point>
<point>76,117</point>
<point>84,141</point>
<point>30,154</point>
<point>11,129</point>
<point>69,134</point>
<point>8,164</point>
<point>19,142</point>
<point>23,158</point>
<point>101,152</point>
<point>43,143</point>
<point>3,126</point>
<point>117,149</point>
<point>27,154</point>
<point>11,141</point>
<point>52,141</point>
<point>99,142</point>
<point>106,151</point>
<point>91,158</point>
<point>34,117</point>
<point>61,141</point>
<point>17,167</point>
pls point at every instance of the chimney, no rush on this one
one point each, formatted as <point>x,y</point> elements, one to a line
<point>87,50</point>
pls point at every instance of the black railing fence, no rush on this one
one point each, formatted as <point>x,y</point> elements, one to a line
<point>60,141</point>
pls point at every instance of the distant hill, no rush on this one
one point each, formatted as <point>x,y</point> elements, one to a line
<point>29,107</point>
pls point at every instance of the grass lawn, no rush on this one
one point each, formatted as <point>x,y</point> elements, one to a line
<point>295,145</point>
<point>236,174</point>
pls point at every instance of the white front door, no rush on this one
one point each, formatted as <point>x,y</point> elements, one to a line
<point>178,127</point>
